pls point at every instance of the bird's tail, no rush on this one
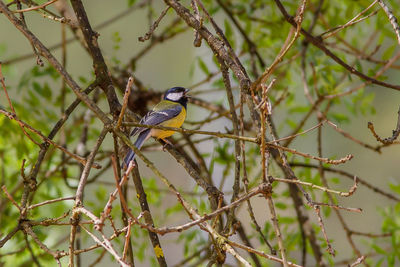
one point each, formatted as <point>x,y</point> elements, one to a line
<point>143,136</point>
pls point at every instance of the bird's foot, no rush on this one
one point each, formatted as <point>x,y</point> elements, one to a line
<point>166,143</point>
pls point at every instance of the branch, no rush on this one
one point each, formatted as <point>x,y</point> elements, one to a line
<point>99,65</point>
<point>153,26</point>
<point>187,131</point>
<point>28,230</point>
<point>9,235</point>
<point>106,245</point>
<point>125,101</point>
<point>325,189</point>
<point>306,155</point>
<point>353,21</point>
<point>72,39</point>
<point>261,189</point>
<point>79,194</point>
<point>53,61</point>
<point>293,35</point>
<point>4,188</point>
<point>144,206</point>
<point>392,19</point>
<point>35,7</point>
<point>235,124</point>
<point>107,208</point>
<point>12,107</point>
<point>50,201</point>
<point>213,42</point>
<point>350,176</point>
<point>318,43</point>
<point>260,253</point>
<point>389,140</point>
<point>190,210</point>
<point>81,160</point>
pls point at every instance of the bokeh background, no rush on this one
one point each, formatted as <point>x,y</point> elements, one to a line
<point>174,63</point>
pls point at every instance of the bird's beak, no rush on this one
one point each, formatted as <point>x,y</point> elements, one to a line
<point>185,93</point>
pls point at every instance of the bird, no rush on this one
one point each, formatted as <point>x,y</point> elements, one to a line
<point>169,112</point>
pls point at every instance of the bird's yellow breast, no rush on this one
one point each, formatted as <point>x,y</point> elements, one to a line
<point>174,122</point>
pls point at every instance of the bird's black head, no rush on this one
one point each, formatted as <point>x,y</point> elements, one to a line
<point>177,94</point>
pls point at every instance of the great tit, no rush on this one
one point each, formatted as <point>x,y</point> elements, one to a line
<point>170,112</point>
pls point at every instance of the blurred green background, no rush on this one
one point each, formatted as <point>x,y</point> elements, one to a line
<point>175,63</point>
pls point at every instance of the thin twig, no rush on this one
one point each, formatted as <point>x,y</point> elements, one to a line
<point>2,79</point>
<point>9,235</point>
<point>164,230</point>
<point>13,116</point>
<point>325,189</point>
<point>350,176</point>
<point>79,195</point>
<point>322,226</point>
<point>246,185</point>
<point>389,140</point>
<point>197,36</point>
<point>237,256</point>
<point>50,201</point>
<point>293,35</point>
<point>235,125</point>
<point>347,135</point>
<point>153,26</point>
<point>353,21</point>
<point>127,237</point>
<point>244,138</point>
<point>106,246</point>
<point>358,261</point>
<point>33,256</point>
<point>4,188</point>
<point>35,7</point>
<point>28,230</point>
<point>107,208</point>
<point>125,101</point>
<point>306,155</point>
<point>290,137</point>
<point>99,258</point>
<point>317,42</point>
<point>187,131</point>
<point>261,253</point>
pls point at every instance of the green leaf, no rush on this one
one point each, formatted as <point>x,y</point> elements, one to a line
<point>299,109</point>
<point>3,49</point>
<point>203,66</point>
<point>229,33</point>
<point>389,52</point>
<point>395,187</point>
<point>281,205</point>
<point>286,220</point>
<point>131,2</point>
<point>340,117</point>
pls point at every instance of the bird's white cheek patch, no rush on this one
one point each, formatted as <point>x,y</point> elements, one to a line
<point>174,96</point>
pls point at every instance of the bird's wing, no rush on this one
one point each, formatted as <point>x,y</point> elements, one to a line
<point>155,117</point>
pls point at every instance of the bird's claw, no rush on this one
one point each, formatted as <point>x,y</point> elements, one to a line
<point>166,144</point>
